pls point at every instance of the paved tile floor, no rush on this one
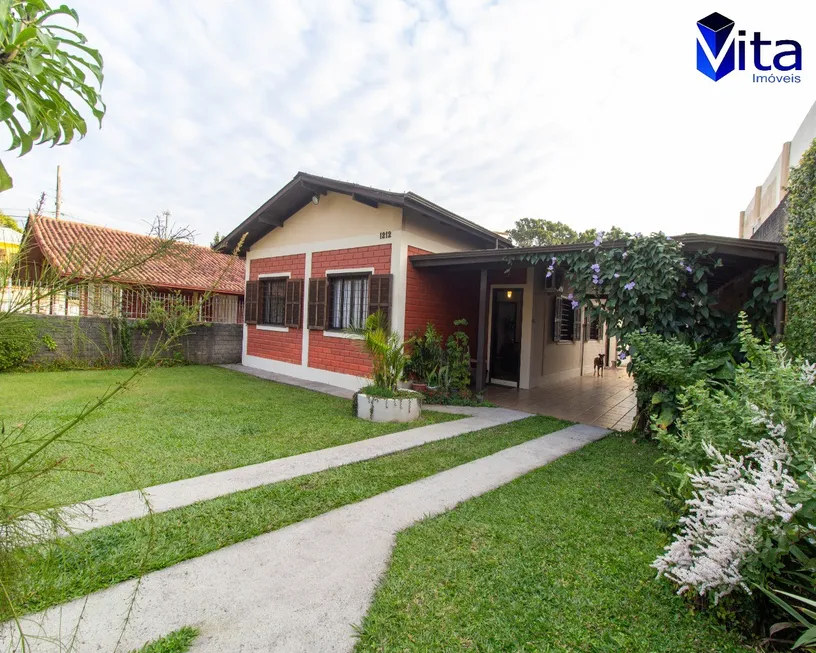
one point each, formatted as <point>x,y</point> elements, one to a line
<point>607,401</point>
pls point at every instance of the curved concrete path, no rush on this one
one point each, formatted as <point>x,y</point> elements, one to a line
<point>177,494</point>
<point>300,588</point>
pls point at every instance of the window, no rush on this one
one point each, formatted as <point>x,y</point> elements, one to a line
<point>273,302</point>
<point>348,301</point>
<point>566,321</point>
<point>595,329</point>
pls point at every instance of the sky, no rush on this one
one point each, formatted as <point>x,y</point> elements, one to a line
<point>590,113</point>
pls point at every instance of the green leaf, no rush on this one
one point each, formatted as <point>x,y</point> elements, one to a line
<point>6,182</point>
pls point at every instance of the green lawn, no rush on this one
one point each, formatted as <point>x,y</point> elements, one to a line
<point>179,641</point>
<point>94,560</point>
<point>177,423</point>
<point>555,561</point>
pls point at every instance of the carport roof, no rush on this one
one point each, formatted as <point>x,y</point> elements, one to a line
<point>737,254</point>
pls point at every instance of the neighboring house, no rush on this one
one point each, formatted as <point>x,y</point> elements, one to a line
<point>323,254</point>
<point>765,216</point>
<point>9,242</point>
<point>84,252</point>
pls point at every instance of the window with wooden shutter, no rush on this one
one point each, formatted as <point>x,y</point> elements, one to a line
<point>379,295</point>
<point>317,303</point>
<point>251,302</point>
<point>566,321</point>
<point>577,323</point>
<point>294,303</point>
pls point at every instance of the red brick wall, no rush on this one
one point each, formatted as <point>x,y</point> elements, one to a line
<point>441,298</point>
<point>340,354</point>
<point>276,345</point>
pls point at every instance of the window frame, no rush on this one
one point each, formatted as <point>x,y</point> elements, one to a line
<point>332,277</point>
<point>263,281</point>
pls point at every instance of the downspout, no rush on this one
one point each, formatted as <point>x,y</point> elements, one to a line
<point>583,341</point>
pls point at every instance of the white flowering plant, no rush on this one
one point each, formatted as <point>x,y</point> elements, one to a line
<point>743,482</point>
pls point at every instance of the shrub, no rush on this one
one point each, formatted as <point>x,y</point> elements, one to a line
<point>386,348</point>
<point>800,330</point>
<point>458,358</point>
<point>18,342</point>
<point>427,355</point>
<point>742,457</point>
<point>664,367</point>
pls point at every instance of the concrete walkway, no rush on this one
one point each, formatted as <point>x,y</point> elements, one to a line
<point>317,386</point>
<point>301,588</point>
<point>169,496</point>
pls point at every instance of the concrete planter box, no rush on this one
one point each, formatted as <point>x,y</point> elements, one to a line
<point>379,409</point>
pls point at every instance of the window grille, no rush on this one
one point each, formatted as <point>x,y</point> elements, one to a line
<point>273,301</point>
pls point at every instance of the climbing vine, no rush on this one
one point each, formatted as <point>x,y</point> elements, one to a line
<point>800,331</point>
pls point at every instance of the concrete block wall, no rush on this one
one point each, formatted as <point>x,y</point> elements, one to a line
<point>96,341</point>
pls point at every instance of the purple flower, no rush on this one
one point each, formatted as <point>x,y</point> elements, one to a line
<point>616,275</point>
<point>629,285</point>
<point>683,294</point>
<point>638,234</point>
<point>569,296</point>
<point>625,254</point>
<point>595,279</point>
<point>668,237</point>
<point>688,269</point>
<point>622,355</point>
<point>554,260</point>
<point>575,305</point>
<point>595,268</point>
<point>549,274</point>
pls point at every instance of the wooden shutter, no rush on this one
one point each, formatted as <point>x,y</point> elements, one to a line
<point>379,294</point>
<point>293,310</point>
<point>577,323</point>
<point>318,295</point>
<point>557,319</point>
<point>251,302</point>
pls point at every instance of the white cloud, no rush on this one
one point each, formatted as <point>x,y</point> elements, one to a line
<point>587,112</point>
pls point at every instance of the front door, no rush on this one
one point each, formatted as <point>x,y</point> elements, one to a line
<point>505,336</point>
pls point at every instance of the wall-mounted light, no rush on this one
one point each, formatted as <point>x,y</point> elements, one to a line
<point>509,294</point>
<point>315,199</point>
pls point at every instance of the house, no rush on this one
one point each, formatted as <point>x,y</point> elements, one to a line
<point>9,242</point>
<point>765,216</point>
<point>323,254</point>
<point>138,270</point>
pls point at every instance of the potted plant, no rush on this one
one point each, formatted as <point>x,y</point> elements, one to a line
<point>382,400</point>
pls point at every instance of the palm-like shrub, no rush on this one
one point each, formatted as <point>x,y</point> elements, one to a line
<point>386,348</point>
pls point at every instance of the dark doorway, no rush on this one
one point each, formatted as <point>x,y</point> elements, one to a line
<point>505,336</point>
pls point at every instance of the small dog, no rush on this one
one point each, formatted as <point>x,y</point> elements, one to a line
<point>599,365</point>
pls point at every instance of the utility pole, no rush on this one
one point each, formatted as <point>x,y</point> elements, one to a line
<point>59,193</point>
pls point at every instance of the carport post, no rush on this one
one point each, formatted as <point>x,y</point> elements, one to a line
<point>481,333</point>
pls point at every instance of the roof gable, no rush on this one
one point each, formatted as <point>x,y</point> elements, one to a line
<point>303,187</point>
<point>88,251</point>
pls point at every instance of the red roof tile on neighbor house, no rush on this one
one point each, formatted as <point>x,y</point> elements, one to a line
<point>87,251</point>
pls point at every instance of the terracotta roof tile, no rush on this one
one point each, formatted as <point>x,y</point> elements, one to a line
<point>85,251</point>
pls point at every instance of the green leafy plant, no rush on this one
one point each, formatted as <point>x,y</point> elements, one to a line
<point>386,348</point>
<point>427,355</point>
<point>47,72</point>
<point>803,611</point>
<point>49,343</point>
<point>18,342</point>
<point>800,269</point>
<point>457,352</point>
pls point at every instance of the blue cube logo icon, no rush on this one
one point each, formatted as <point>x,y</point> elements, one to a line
<point>715,48</point>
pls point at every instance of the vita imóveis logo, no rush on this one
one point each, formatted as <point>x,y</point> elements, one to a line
<point>720,52</point>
